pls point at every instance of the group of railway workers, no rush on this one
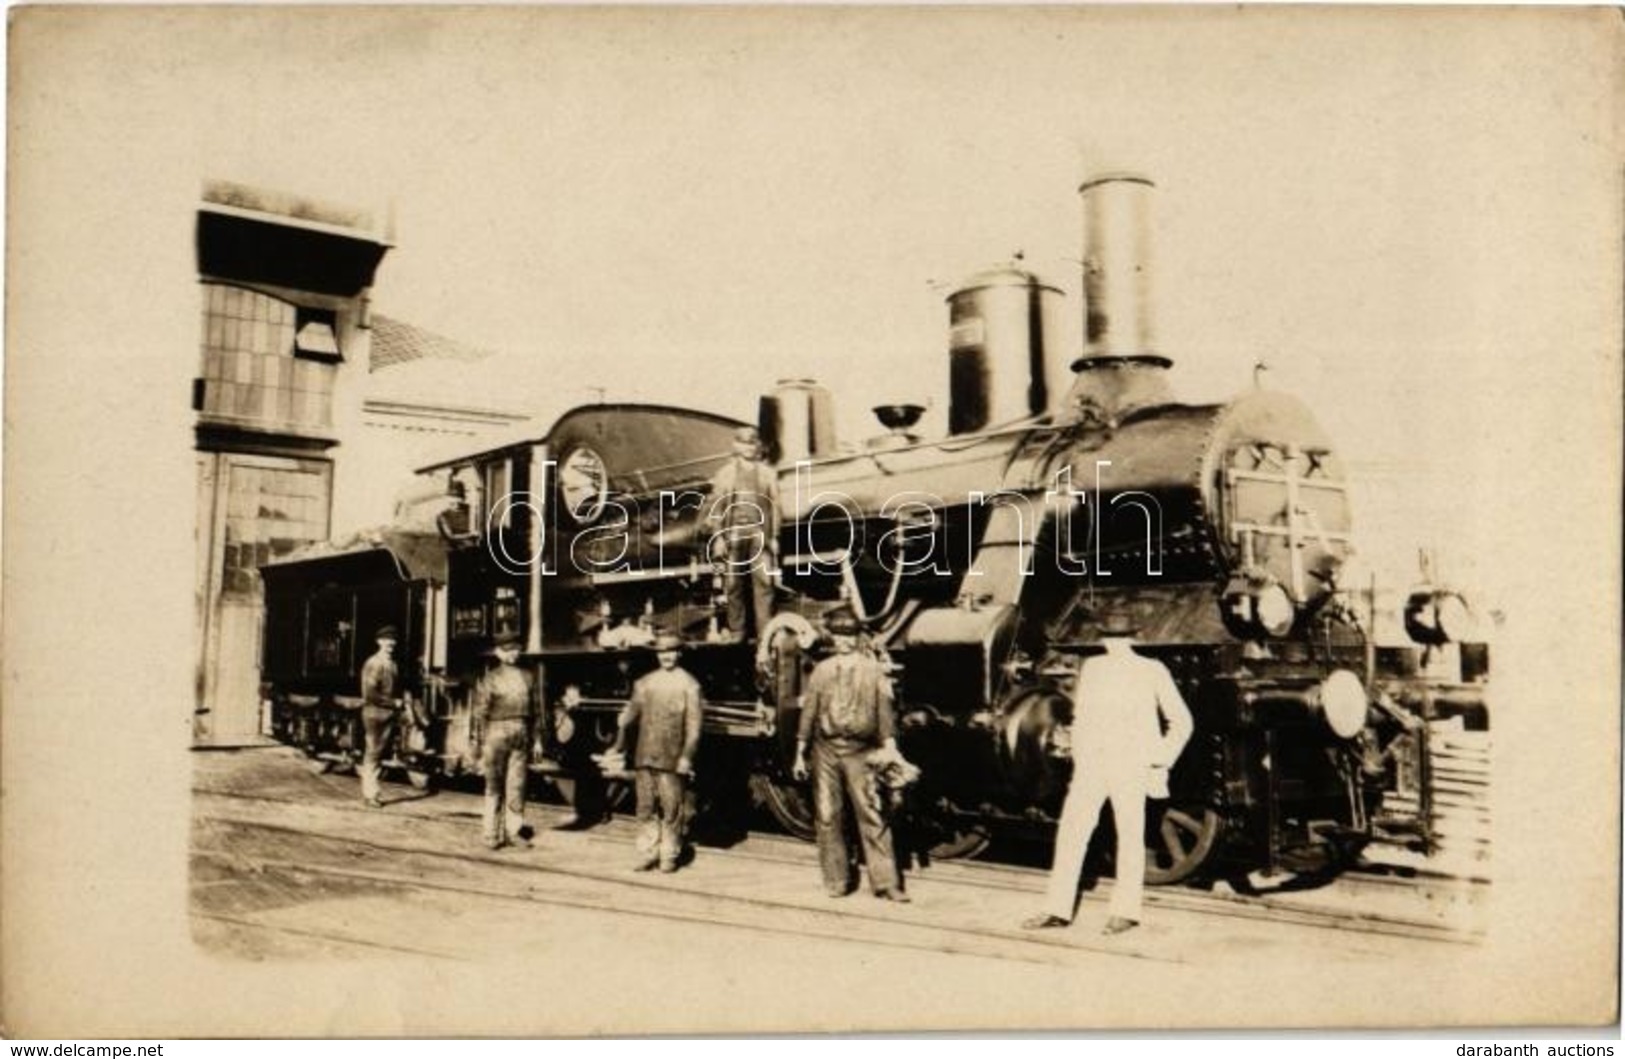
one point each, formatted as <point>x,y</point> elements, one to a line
<point>1130,726</point>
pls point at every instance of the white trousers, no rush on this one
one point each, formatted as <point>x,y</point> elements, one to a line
<point>1093,784</point>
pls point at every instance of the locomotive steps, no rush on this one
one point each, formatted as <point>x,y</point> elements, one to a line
<point>1462,822</point>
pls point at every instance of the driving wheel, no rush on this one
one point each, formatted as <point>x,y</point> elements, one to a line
<point>790,803</point>
<point>1179,840</point>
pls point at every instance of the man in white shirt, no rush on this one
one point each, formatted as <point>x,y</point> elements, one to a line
<point>1120,754</point>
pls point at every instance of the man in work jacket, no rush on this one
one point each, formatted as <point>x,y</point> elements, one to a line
<point>846,712</point>
<point>380,712</point>
<point>743,522</point>
<point>505,705</point>
<point>1119,754</point>
<point>665,710</point>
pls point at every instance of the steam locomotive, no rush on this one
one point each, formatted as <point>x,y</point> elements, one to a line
<point>981,564</point>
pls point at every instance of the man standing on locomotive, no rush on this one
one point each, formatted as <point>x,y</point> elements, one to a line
<point>505,705</point>
<point>665,709</point>
<point>743,523</point>
<point>1120,754</point>
<point>380,712</point>
<point>846,712</point>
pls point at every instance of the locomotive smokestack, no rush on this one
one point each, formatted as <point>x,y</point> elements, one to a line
<point>1120,369</point>
<point>1117,266</point>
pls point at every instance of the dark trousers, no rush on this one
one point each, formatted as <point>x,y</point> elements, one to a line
<point>840,780</point>
<point>750,589</point>
<point>588,794</point>
<point>660,817</point>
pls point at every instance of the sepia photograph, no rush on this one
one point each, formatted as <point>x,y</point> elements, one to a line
<point>580,521</point>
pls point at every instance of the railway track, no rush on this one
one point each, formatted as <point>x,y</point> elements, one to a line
<point>1416,904</point>
<point>653,901</point>
<point>1280,903</point>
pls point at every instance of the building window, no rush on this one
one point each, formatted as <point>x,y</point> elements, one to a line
<point>316,337</point>
<point>273,506</point>
<point>498,486</point>
<point>254,364</point>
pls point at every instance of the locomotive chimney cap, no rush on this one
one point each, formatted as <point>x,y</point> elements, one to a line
<point>1011,275</point>
<point>1116,176</point>
<point>1150,360</point>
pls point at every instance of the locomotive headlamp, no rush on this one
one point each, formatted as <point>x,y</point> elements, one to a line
<point>1257,607</point>
<point>1273,609</point>
<point>1437,616</point>
<point>1343,703</point>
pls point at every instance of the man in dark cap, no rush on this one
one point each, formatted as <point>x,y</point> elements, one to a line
<point>380,712</point>
<point>742,520</point>
<point>1120,754</point>
<point>666,711</point>
<point>456,522</point>
<point>505,705</point>
<point>846,712</point>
